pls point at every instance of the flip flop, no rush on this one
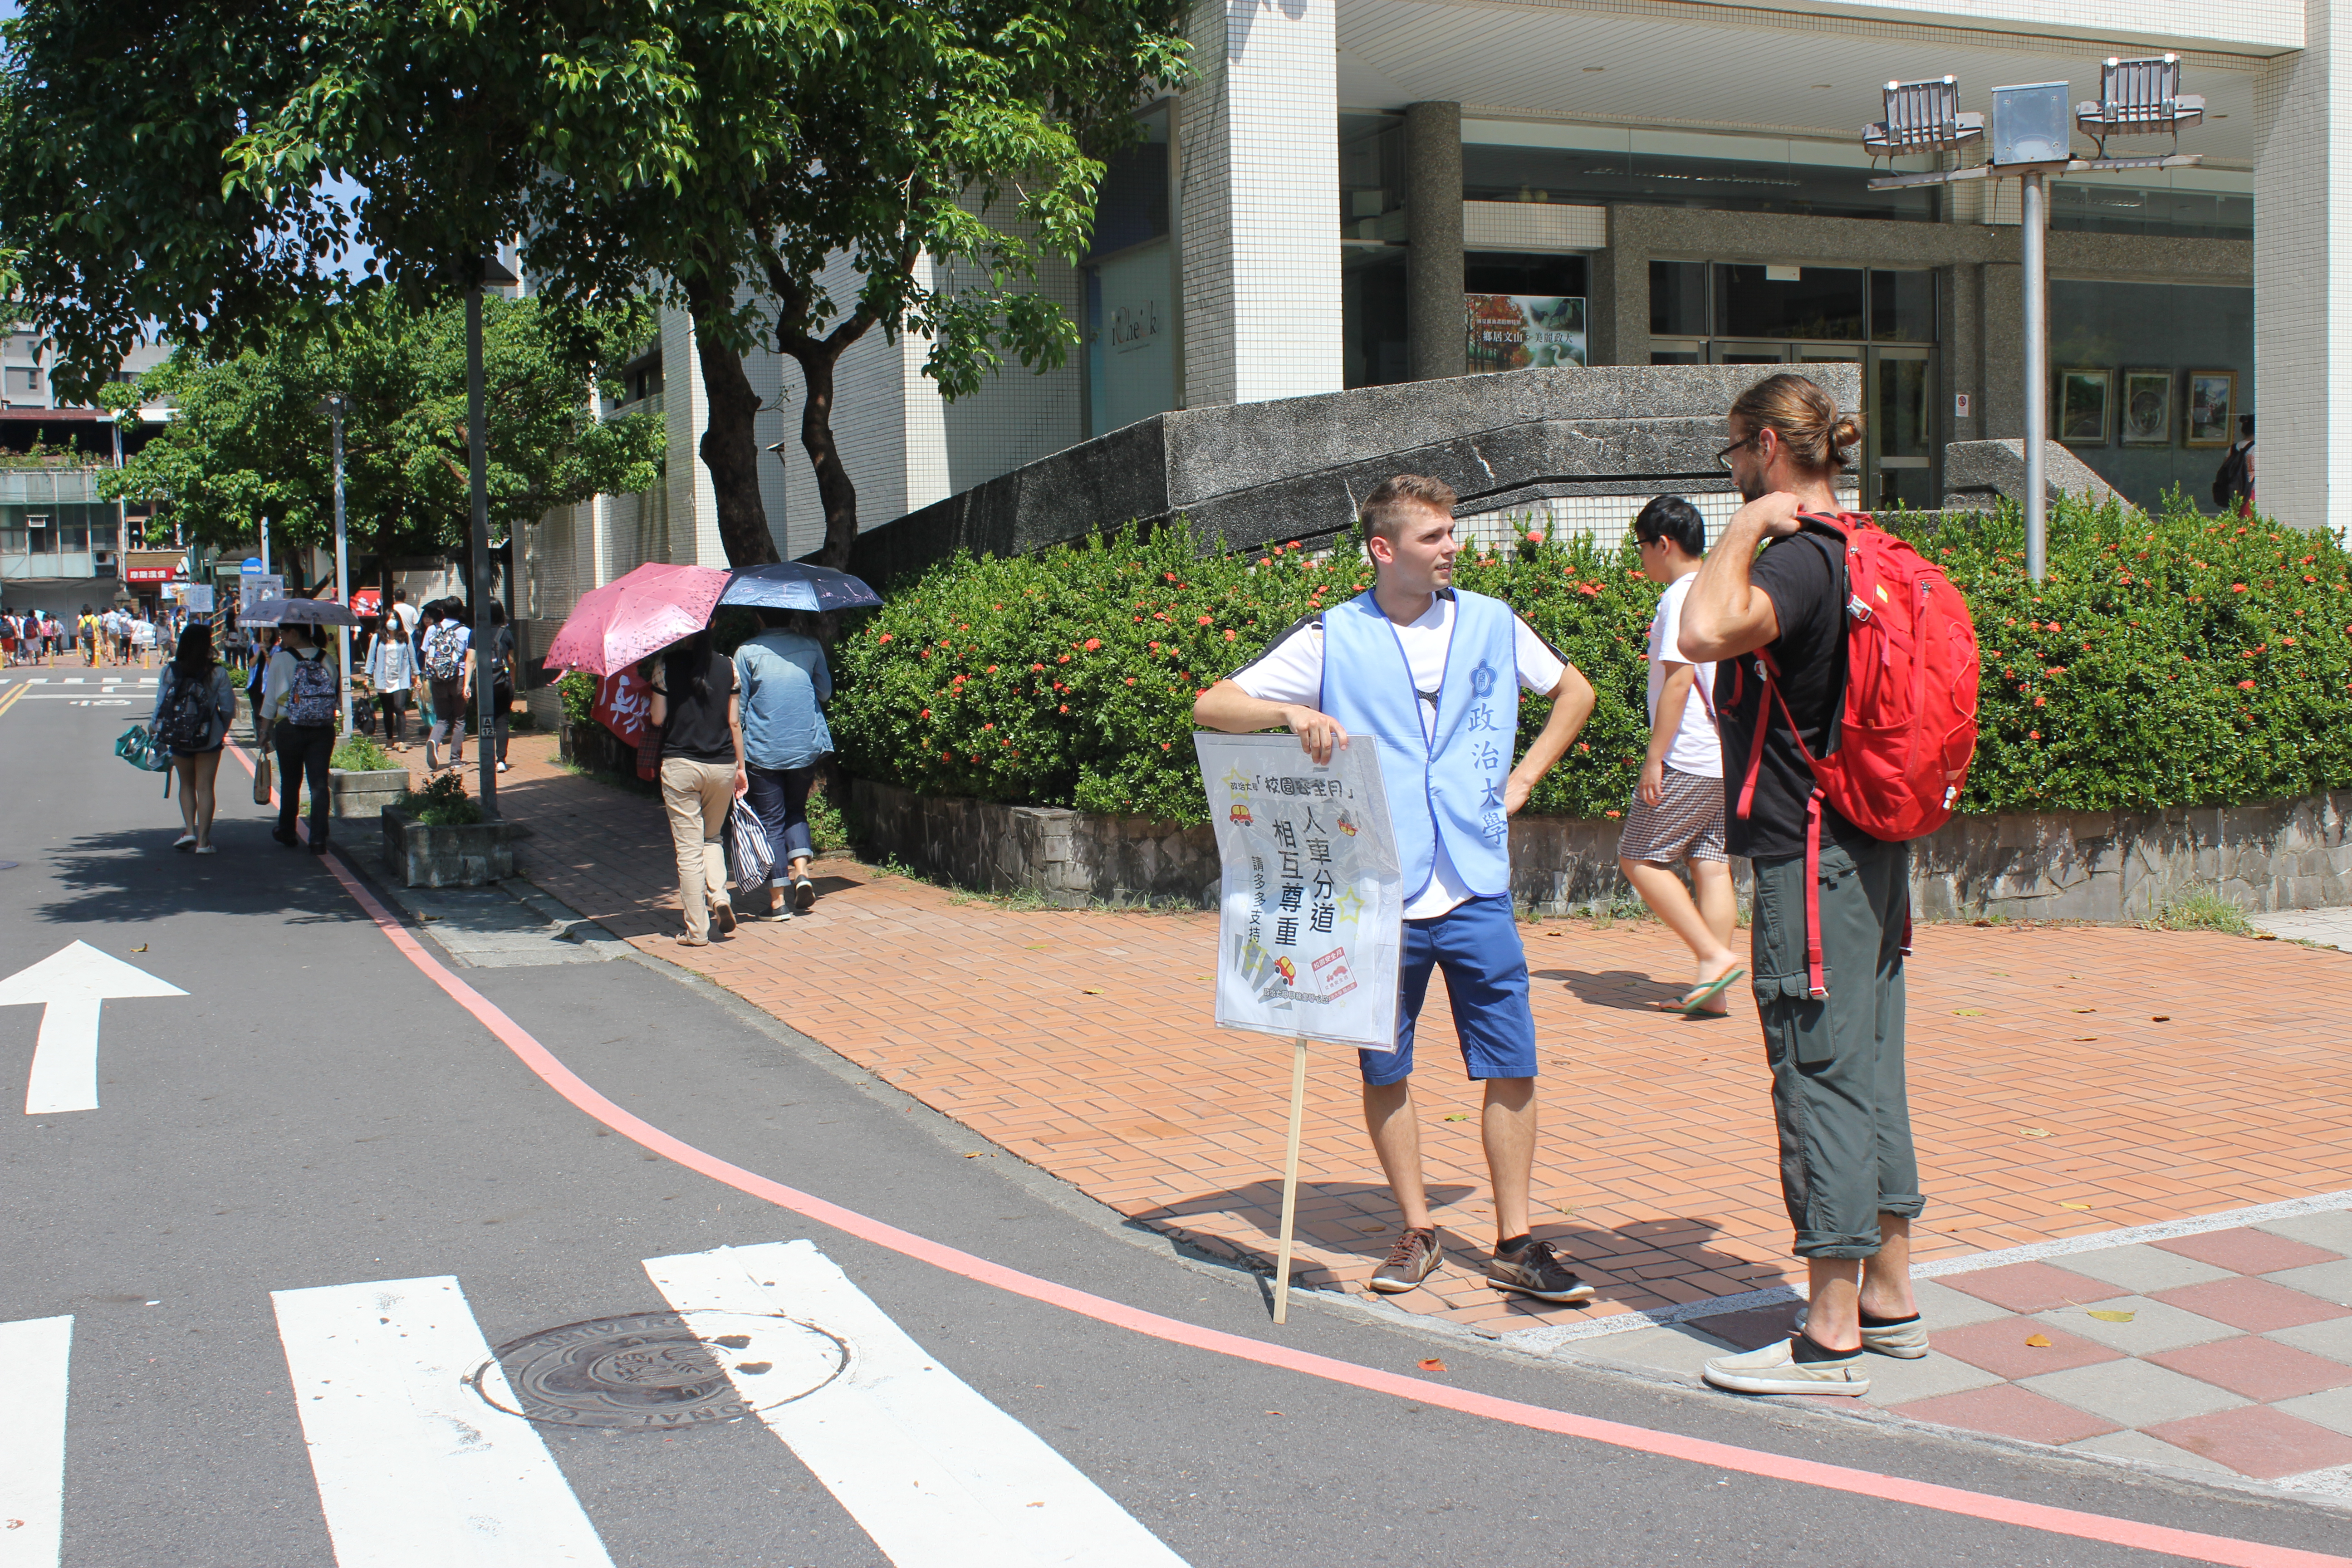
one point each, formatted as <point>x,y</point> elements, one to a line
<point>1693,1001</point>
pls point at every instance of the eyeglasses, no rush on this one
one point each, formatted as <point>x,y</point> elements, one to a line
<point>1723,459</point>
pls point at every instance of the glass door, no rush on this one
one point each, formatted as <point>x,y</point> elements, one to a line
<point>1731,352</point>
<point>1899,436</point>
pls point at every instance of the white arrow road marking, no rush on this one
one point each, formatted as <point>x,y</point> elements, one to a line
<point>33,1442</point>
<point>72,982</point>
<point>413,1469</point>
<point>937,1475</point>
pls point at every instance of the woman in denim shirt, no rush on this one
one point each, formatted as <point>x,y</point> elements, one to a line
<point>783,679</point>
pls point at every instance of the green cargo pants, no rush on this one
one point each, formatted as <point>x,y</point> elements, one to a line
<point>1838,1089</point>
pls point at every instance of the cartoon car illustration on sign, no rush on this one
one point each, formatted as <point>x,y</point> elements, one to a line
<point>1347,825</point>
<point>1288,970</point>
<point>1240,813</point>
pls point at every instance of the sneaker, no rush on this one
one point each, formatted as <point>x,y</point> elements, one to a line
<point>285,837</point>
<point>688,939</point>
<point>185,841</point>
<point>1775,1369</point>
<point>803,896</point>
<point>1907,1340</point>
<point>723,913</point>
<point>502,767</point>
<point>1414,1258</point>
<point>1537,1271</point>
<point>207,849</point>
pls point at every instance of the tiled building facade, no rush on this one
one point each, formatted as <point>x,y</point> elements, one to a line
<point>1639,181</point>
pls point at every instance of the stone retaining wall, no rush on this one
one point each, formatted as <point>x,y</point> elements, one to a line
<point>2282,855</point>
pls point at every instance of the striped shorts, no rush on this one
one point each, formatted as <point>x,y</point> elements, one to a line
<point>1685,825</point>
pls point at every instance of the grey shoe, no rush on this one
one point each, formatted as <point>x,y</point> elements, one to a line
<point>1537,1271</point>
<point>1906,1340</point>
<point>1775,1369</point>
<point>1414,1258</point>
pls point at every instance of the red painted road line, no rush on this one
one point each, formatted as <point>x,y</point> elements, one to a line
<point>1994,1510</point>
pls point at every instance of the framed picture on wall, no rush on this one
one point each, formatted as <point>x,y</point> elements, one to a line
<point>2147,413</point>
<point>2084,400</point>
<point>2212,402</point>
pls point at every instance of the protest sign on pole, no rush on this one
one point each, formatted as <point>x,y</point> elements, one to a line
<point>252,587</point>
<point>1310,925</point>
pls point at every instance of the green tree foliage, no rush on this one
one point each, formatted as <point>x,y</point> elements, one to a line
<point>2174,660</point>
<point>247,440</point>
<point>212,172</point>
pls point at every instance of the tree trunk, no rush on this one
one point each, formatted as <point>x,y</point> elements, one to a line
<point>835,493</point>
<point>731,450</point>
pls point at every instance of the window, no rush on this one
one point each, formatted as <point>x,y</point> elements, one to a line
<point>73,537</point>
<point>1678,301</point>
<point>24,378</point>
<point>1724,173</point>
<point>1132,206</point>
<point>43,538</point>
<point>1371,176</point>
<point>645,381</point>
<point>1821,302</point>
<point>2101,208</point>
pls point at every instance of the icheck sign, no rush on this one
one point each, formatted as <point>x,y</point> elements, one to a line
<point>1307,931</point>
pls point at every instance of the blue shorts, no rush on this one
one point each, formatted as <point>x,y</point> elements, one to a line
<point>1477,944</point>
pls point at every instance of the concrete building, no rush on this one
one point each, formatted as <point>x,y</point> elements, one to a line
<point>61,546</point>
<point>1362,192</point>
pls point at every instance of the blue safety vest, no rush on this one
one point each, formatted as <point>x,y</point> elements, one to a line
<point>1445,783</point>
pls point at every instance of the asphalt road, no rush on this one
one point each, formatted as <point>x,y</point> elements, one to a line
<point>315,1113</point>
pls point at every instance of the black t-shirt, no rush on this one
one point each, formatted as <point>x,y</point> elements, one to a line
<point>697,727</point>
<point>1797,575</point>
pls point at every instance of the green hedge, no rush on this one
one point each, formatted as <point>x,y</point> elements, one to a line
<point>2174,660</point>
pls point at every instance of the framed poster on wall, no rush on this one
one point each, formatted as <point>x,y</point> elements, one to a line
<point>1512,331</point>
<point>2084,402</point>
<point>2212,402</point>
<point>2147,408</point>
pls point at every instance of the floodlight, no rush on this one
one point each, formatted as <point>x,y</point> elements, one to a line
<point>1922,116</point>
<point>2139,97</point>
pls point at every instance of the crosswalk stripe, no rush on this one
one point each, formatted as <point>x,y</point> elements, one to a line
<point>413,1467</point>
<point>937,1475</point>
<point>33,1442</point>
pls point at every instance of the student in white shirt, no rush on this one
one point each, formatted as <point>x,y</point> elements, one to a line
<point>1676,811</point>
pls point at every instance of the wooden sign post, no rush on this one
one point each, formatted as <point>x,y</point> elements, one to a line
<point>1310,925</point>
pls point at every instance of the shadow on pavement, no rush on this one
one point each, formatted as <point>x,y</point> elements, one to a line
<point>133,874</point>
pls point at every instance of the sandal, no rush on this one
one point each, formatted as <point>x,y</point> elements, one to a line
<point>1694,1002</point>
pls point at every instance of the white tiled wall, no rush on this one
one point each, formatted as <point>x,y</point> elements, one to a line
<point>2303,284</point>
<point>1258,183</point>
<point>1609,519</point>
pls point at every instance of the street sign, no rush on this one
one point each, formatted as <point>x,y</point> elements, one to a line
<point>70,984</point>
<point>1308,927</point>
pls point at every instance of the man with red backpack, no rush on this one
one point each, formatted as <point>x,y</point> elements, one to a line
<point>1845,683</point>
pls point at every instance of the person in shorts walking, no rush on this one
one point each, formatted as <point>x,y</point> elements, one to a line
<point>1675,815</point>
<point>1431,674</point>
<point>1848,1171</point>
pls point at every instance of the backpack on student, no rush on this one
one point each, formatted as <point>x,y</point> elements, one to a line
<point>1906,729</point>
<point>312,692</point>
<point>443,657</point>
<point>2232,480</point>
<point>186,724</point>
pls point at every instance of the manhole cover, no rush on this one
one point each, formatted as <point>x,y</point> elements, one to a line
<point>660,1369</point>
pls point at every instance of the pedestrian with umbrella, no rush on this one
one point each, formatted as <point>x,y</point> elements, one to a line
<point>785,682</point>
<point>666,609</point>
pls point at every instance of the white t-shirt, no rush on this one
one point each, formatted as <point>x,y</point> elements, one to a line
<point>1291,670</point>
<point>1696,748</point>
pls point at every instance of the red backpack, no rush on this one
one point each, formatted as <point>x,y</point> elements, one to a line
<point>1907,726</point>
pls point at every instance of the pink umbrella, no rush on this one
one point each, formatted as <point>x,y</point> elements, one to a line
<point>613,627</point>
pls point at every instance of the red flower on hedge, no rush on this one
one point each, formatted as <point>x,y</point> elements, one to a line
<point>2040,702</point>
<point>2246,686</point>
<point>927,712</point>
<point>2033,735</point>
<point>987,726</point>
<point>2237,587</point>
<point>1204,620</point>
<point>884,637</point>
<point>1037,669</point>
<point>1093,643</point>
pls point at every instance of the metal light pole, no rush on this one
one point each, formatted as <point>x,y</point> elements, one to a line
<point>486,737</point>
<point>2033,246</point>
<point>2030,137</point>
<point>333,406</point>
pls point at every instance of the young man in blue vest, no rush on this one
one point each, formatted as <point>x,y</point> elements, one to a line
<point>1432,675</point>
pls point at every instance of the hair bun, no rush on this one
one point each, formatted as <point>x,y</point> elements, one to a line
<point>1847,432</point>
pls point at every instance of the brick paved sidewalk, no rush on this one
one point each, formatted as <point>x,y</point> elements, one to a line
<point>2066,1081</point>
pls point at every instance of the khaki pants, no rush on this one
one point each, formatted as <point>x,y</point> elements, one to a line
<point>697,796</point>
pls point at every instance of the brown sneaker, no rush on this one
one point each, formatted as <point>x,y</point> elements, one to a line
<point>1537,1271</point>
<point>722,914</point>
<point>1414,1258</point>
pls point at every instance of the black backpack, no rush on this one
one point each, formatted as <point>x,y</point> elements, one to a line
<point>2230,481</point>
<point>186,724</point>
